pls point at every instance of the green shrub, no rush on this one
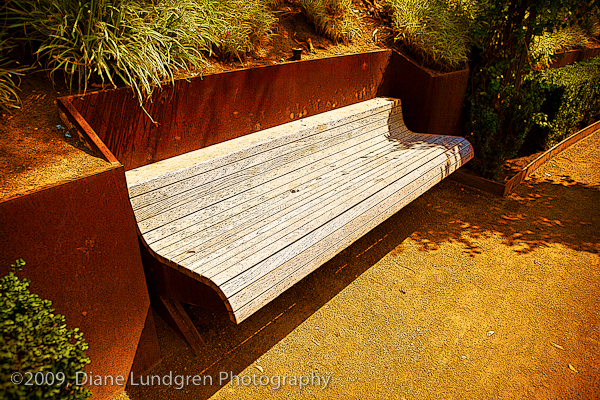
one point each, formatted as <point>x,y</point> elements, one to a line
<point>572,100</point>
<point>334,18</point>
<point>498,120</point>
<point>35,340</point>
<point>503,105</point>
<point>433,31</point>
<point>142,43</point>
<point>544,47</point>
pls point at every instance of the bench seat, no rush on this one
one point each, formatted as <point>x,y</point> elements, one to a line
<point>252,216</point>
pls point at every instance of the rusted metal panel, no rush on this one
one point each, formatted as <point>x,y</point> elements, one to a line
<point>203,111</point>
<point>80,243</point>
<point>431,102</point>
<point>147,355</point>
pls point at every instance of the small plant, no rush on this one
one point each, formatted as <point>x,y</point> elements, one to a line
<point>544,47</point>
<point>9,97</point>
<point>433,31</point>
<point>334,18</point>
<point>39,356</point>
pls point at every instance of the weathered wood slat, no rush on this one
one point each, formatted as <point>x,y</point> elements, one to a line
<point>176,219</point>
<point>218,190</point>
<point>254,215</point>
<point>231,280</point>
<point>251,214</point>
<point>141,180</point>
<point>354,190</point>
<point>253,164</point>
<point>244,304</point>
<point>283,198</point>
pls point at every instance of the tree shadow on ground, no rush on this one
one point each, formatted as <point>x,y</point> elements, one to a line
<point>537,214</point>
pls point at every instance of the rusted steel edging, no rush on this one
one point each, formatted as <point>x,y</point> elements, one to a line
<point>544,157</point>
<point>478,182</point>
<point>75,118</point>
<point>504,189</point>
<point>202,111</point>
<point>79,240</point>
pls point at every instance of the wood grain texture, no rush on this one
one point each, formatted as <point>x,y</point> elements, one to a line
<point>184,323</point>
<point>256,214</point>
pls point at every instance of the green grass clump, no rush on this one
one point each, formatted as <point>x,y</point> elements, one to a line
<point>141,43</point>
<point>431,30</point>
<point>336,19</point>
<point>544,47</point>
<point>9,98</point>
<point>240,24</point>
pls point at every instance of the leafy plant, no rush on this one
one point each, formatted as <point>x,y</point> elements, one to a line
<point>242,24</point>
<point>544,47</point>
<point>142,43</point>
<point>572,101</point>
<point>434,31</point>
<point>334,18</point>
<point>35,343</point>
<point>501,105</point>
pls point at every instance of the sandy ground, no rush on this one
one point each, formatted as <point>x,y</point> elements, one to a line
<point>460,295</point>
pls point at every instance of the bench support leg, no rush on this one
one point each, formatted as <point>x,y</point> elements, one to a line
<point>184,323</point>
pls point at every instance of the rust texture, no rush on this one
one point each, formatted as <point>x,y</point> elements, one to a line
<point>73,116</point>
<point>547,155</point>
<point>566,58</point>
<point>79,240</point>
<point>147,355</point>
<point>203,111</point>
<point>431,102</point>
<point>590,52</point>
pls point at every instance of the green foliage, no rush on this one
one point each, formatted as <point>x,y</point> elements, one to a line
<point>239,24</point>
<point>497,129</point>
<point>142,43</point>
<point>433,30</point>
<point>35,340</point>
<point>501,105</point>
<point>334,18</point>
<point>573,100</point>
<point>544,47</point>
<point>9,98</point>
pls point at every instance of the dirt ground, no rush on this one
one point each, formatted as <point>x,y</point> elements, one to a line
<point>460,295</point>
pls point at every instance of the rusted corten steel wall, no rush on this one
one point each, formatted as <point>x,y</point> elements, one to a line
<point>80,243</point>
<point>203,111</point>
<point>431,102</point>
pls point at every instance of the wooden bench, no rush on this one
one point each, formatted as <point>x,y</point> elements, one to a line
<point>252,216</point>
